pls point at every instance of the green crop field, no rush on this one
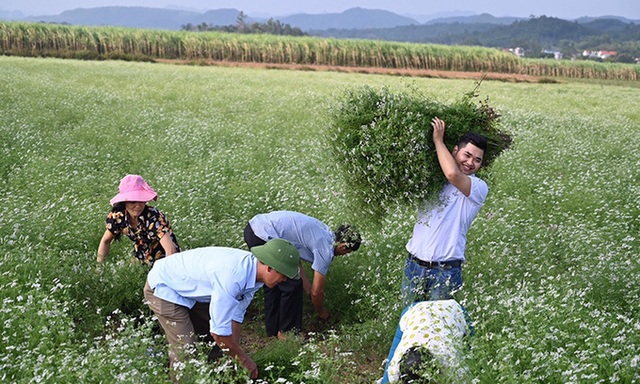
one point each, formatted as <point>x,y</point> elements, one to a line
<point>553,278</point>
<point>99,43</point>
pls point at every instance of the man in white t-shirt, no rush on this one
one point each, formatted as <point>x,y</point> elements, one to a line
<point>436,249</point>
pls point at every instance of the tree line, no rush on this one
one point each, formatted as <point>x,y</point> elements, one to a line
<point>271,26</point>
<point>534,35</point>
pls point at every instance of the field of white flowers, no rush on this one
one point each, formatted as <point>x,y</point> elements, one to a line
<point>552,283</point>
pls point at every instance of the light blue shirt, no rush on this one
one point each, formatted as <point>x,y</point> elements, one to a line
<point>224,277</point>
<point>313,238</point>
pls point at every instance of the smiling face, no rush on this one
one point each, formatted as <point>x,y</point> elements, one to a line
<point>469,158</point>
<point>134,208</point>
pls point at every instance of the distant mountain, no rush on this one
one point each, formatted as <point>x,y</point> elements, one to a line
<point>551,31</point>
<point>483,18</point>
<point>434,30</point>
<point>174,19</point>
<point>137,17</point>
<point>585,19</point>
<point>220,17</point>
<point>11,15</point>
<point>369,22</point>
<point>140,17</point>
<point>608,25</point>
<point>354,18</point>
<point>440,15</point>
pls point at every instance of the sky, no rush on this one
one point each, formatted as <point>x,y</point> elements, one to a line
<point>567,9</point>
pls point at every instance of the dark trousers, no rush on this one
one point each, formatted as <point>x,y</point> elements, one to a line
<point>283,307</point>
<point>250,237</point>
<point>282,303</point>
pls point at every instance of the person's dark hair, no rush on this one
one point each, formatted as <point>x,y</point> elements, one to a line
<point>349,235</point>
<point>473,138</point>
<point>120,208</point>
<point>415,366</point>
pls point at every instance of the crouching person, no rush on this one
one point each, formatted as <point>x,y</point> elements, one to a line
<point>429,344</point>
<point>211,288</point>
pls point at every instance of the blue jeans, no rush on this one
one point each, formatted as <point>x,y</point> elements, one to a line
<point>421,284</point>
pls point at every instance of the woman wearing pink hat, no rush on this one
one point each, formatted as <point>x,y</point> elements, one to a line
<point>145,225</point>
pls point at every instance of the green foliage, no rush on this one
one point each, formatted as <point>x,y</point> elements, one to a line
<point>552,283</point>
<point>132,44</point>
<point>382,142</point>
<point>533,34</point>
<point>271,26</point>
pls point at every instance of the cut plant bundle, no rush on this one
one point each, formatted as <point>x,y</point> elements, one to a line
<point>383,142</point>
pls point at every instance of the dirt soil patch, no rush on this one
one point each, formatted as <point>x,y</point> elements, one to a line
<point>508,77</point>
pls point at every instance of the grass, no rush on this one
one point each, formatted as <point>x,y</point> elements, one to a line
<point>552,282</point>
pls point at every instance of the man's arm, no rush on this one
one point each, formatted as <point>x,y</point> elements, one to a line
<point>447,162</point>
<point>231,343</point>
<point>306,284</point>
<point>317,295</point>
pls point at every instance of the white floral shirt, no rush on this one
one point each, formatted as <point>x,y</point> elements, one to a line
<point>439,325</point>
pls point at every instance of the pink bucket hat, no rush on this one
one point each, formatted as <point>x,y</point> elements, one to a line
<point>134,188</point>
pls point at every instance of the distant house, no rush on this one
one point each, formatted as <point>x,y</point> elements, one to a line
<point>556,54</point>
<point>606,54</point>
<point>602,55</point>
<point>589,54</point>
<point>518,51</point>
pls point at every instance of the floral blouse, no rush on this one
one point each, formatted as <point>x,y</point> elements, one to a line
<point>152,226</point>
<point>437,325</point>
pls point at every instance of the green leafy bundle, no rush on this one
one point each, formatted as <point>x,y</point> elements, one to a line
<point>383,142</point>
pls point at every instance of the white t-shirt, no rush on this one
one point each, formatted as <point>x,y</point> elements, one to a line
<point>440,233</point>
